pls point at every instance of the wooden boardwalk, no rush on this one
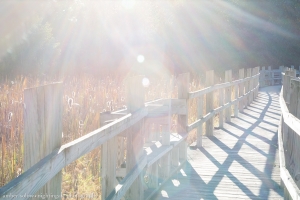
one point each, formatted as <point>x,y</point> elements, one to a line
<point>239,162</point>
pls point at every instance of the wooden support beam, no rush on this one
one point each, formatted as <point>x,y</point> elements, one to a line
<point>252,85</point>
<point>183,93</point>
<point>199,116</point>
<point>248,88</point>
<point>131,177</point>
<point>104,170</point>
<point>241,89</point>
<point>262,82</point>
<point>153,176</point>
<point>256,82</point>
<point>255,71</point>
<point>165,161</point>
<point>209,102</point>
<point>121,150</point>
<point>43,129</point>
<point>182,151</point>
<point>221,103</point>
<point>165,134</point>
<point>236,105</point>
<point>183,81</point>
<point>228,78</point>
<point>175,156</point>
<point>136,101</point>
<point>108,164</point>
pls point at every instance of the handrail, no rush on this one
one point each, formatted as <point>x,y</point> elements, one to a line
<point>48,167</point>
<point>198,93</point>
<point>269,77</point>
<point>218,110</point>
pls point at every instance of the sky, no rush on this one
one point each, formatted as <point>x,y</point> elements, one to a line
<point>174,36</point>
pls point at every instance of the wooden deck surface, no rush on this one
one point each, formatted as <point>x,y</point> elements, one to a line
<point>239,162</point>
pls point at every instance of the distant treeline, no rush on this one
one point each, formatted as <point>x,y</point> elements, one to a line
<point>53,37</point>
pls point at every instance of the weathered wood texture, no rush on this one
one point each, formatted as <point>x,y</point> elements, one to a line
<point>136,101</point>
<point>241,89</point>
<point>289,141</point>
<point>248,86</point>
<point>239,162</point>
<point>129,123</point>
<point>228,78</point>
<point>221,103</point>
<point>200,115</point>
<point>183,93</point>
<point>209,102</point>
<point>39,174</point>
<point>270,76</point>
<point>219,86</point>
<point>43,128</point>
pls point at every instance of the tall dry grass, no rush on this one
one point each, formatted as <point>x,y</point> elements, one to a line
<point>84,98</point>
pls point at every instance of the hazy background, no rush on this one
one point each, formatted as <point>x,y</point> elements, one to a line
<point>173,36</point>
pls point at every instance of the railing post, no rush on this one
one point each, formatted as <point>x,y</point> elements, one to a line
<point>270,79</point>
<point>135,101</point>
<point>153,175</point>
<point>248,87</point>
<point>199,116</point>
<point>262,77</point>
<point>175,157</point>
<point>108,164</point>
<point>285,128</point>
<point>43,129</point>
<point>165,160</point>
<point>209,102</point>
<point>241,89</point>
<point>236,105</point>
<point>221,103</point>
<point>288,76</point>
<point>228,78</point>
<point>252,83</point>
<point>153,169</point>
<point>285,85</point>
<point>257,82</point>
<point>166,130</point>
<point>183,93</point>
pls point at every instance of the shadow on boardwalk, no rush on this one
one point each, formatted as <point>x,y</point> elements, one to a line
<point>239,162</point>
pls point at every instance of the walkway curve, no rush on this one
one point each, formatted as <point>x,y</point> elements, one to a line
<point>239,162</point>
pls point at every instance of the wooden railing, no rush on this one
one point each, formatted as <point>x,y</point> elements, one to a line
<point>271,76</point>
<point>289,135</point>
<point>134,167</point>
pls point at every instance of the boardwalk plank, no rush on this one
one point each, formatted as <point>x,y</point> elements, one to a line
<point>239,162</point>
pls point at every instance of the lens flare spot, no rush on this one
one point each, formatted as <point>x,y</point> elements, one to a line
<point>140,58</point>
<point>128,4</point>
<point>145,82</point>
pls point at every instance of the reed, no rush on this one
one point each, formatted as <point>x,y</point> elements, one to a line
<point>84,98</point>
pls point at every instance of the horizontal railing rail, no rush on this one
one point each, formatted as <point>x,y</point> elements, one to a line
<point>219,86</point>
<point>31,180</point>
<point>219,109</point>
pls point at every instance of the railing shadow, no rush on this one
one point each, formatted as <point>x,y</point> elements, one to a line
<point>193,185</point>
